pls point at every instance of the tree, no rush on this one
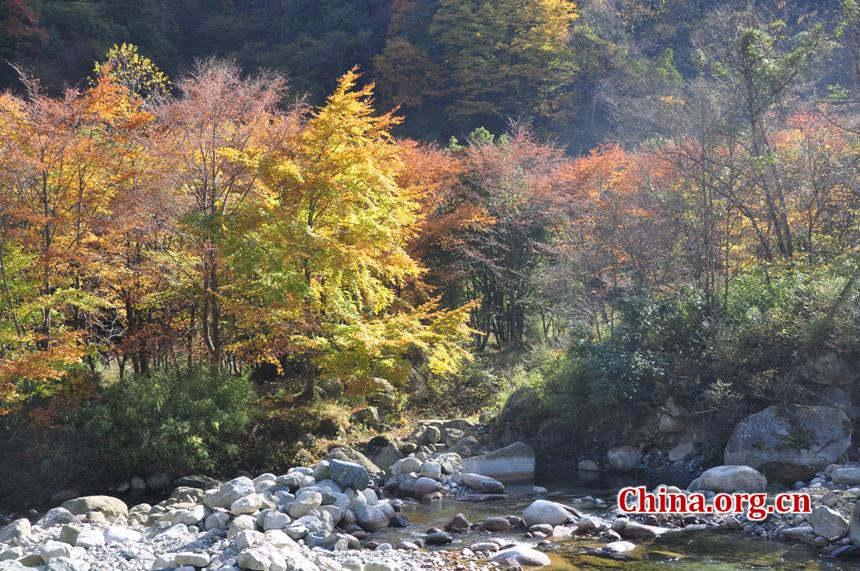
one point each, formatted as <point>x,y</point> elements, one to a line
<point>137,73</point>
<point>323,255</point>
<point>520,203</point>
<point>217,115</point>
<point>757,69</point>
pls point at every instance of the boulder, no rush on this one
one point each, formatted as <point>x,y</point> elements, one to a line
<point>483,484</point>
<point>349,474</point>
<point>305,502</point>
<point>730,479</point>
<point>496,524</point>
<point>122,535</point>
<point>465,447</point>
<point>450,461</point>
<point>432,470</point>
<point>406,465</point>
<point>521,556</point>
<point>112,508</point>
<point>672,418</point>
<point>624,458</point>
<point>382,452</point>
<point>827,523</point>
<point>458,523</point>
<point>790,445</point>
<point>347,454</point>
<point>424,486</point>
<point>367,416</point>
<point>847,475</point>
<point>514,463</point>
<point>683,451</point>
<point>619,547</point>
<point>587,466</point>
<point>229,492</point>
<point>798,533</point>
<point>16,532</point>
<point>854,525</point>
<point>51,549</point>
<point>547,512</point>
<point>371,518</point>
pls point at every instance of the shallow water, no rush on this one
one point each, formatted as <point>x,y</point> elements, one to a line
<point>709,551</point>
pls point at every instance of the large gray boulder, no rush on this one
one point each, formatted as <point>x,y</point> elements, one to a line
<point>520,556</point>
<point>730,479</point>
<point>483,484</point>
<point>846,475</point>
<point>624,458</point>
<point>371,518</point>
<point>854,525</point>
<point>112,508</point>
<point>828,523</point>
<point>514,463</point>
<point>347,454</point>
<point>547,512</point>
<point>790,444</point>
<point>349,474</point>
<point>16,532</point>
<point>382,452</point>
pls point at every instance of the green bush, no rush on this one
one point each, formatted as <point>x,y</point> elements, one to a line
<point>176,421</point>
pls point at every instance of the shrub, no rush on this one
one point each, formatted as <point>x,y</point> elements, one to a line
<point>172,420</point>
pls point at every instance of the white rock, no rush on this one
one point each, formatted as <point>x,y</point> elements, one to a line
<point>522,555</point>
<point>305,502</point>
<point>90,538</point>
<point>120,534</point>
<point>546,512</point>
<point>246,505</point>
<point>51,549</point>
<point>275,520</point>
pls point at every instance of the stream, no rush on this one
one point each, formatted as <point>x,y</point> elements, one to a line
<point>708,551</point>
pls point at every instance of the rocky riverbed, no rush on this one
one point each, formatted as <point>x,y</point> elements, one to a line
<point>435,501</point>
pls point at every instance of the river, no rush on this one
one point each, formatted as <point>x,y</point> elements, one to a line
<point>699,551</point>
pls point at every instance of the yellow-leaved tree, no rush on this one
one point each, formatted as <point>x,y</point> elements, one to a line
<point>322,253</point>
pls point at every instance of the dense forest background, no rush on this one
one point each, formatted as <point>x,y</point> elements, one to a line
<point>451,66</point>
<point>227,224</point>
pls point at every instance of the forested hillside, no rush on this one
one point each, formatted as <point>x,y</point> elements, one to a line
<point>452,66</point>
<point>227,224</point>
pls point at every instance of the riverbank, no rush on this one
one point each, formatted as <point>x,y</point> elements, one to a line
<point>439,497</point>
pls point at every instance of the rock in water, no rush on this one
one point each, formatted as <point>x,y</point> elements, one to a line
<point>110,507</point>
<point>514,463</point>
<point>371,518</point>
<point>624,458</point>
<point>521,556</point>
<point>730,479</point>
<point>483,484</point>
<point>793,444</point>
<point>828,523</point>
<point>546,512</point>
<point>349,474</point>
